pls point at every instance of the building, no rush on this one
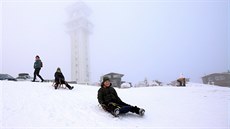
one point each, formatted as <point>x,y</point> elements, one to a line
<point>79,28</point>
<point>220,79</point>
<point>115,79</point>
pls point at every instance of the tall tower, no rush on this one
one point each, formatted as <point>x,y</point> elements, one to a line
<point>79,28</point>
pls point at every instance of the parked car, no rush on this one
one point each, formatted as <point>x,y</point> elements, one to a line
<point>7,77</point>
<point>126,85</point>
<point>24,77</point>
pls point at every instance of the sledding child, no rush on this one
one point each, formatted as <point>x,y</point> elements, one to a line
<point>109,100</point>
<point>60,79</point>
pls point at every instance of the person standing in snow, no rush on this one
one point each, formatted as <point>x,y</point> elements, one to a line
<point>181,80</point>
<point>60,79</point>
<point>37,67</point>
<point>109,100</point>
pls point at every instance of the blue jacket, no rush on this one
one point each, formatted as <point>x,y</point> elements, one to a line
<point>37,64</point>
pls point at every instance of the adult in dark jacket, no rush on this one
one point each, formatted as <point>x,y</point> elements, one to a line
<point>60,79</point>
<point>37,68</point>
<point>109,100</point>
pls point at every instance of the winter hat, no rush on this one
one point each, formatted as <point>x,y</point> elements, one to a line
<point>105,79</point>
<point>37,56</point>
<point>58,69</point>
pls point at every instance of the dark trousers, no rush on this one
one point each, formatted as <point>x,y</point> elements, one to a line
<point>128,108</point>
<point>36,73</point>
<point>57,82</point>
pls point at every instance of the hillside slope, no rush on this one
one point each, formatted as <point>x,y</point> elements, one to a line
<point>38,105</point>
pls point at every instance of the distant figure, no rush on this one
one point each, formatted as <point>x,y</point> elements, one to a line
<point>181,80</point>
<point>37,67</point>
<point>109,100</point>
<point>60,79</point>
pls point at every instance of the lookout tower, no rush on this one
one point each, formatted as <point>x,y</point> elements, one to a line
<point>79,28</point>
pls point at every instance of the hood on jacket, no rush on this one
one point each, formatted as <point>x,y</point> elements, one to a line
<point>58,70</point>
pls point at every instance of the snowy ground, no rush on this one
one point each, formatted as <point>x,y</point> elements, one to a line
<point>28,105</point>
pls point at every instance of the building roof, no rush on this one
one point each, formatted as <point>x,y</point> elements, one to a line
<point>224,73</point>
<point>112,73</point>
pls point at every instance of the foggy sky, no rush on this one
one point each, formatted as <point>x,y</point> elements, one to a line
<point>150,39</point>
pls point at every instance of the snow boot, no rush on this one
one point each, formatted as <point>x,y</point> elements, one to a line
<point>71,87</point>
<point>137,110</point>
<point>116,112</point>
<point>67,85</point>
<point>141,112</point>
<point>55,87</point>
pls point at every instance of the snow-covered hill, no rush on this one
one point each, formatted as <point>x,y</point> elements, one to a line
<point>28,105</point>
